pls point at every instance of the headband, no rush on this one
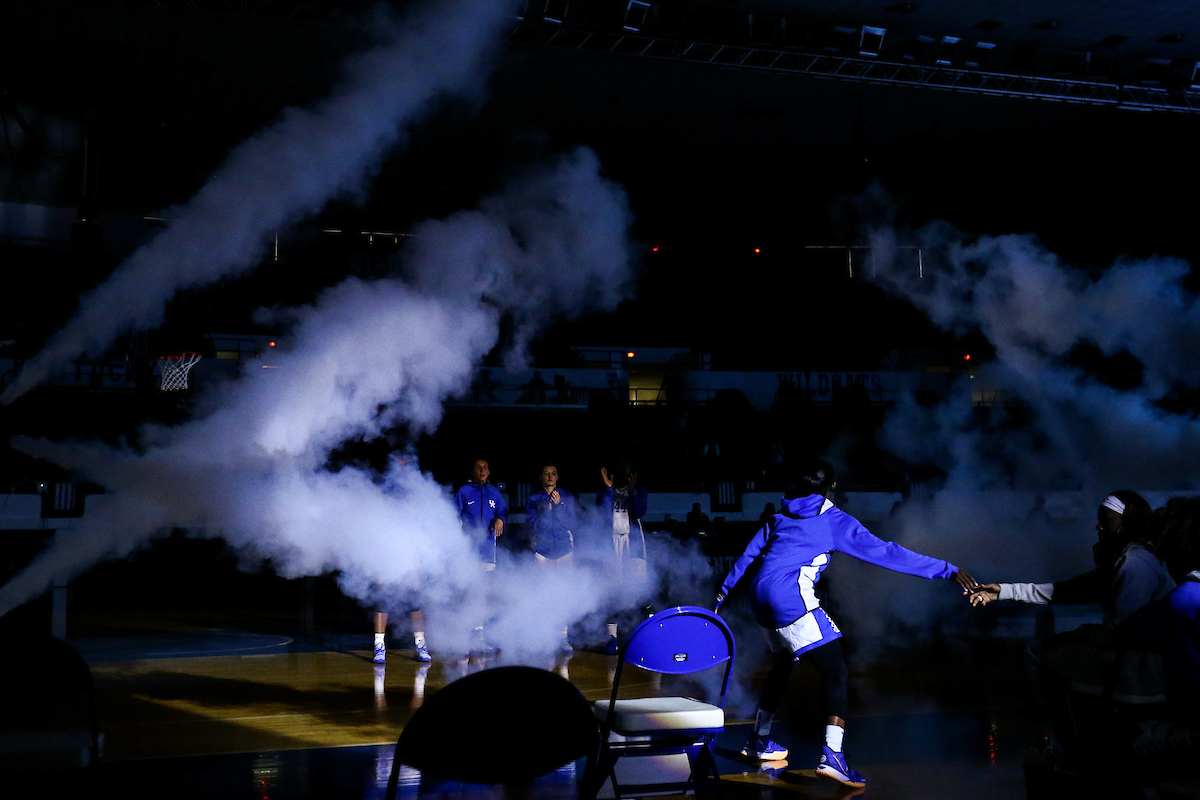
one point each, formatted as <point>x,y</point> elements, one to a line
<point>1113,503</point>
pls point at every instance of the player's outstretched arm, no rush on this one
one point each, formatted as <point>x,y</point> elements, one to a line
<point>965,580</point>
<point>986,593</point>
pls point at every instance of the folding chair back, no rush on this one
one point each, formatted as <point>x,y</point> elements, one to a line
<point>679,640</point>
<point>675,641</point>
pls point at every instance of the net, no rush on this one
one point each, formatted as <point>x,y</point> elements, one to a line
<point>173,369</point>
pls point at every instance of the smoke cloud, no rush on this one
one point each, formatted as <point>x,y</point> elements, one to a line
<point>1030,421</point>
<point>365,357</point>
<point>1035,310</point>
<point>285,172</point>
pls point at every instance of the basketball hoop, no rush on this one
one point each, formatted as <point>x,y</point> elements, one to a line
<point>173,367</point>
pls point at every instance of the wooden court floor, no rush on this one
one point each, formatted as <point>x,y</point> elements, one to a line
<point>169,707</point>
<point>917,729</point>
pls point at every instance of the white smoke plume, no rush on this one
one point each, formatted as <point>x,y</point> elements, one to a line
<point>285,172</point>
<point>367,356</point>
<point>1052,428</point>
<point>1034,310</point>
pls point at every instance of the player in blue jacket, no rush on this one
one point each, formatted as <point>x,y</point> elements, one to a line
<point>792,551</point>
<point>482,511</point>
<point>550,516</point>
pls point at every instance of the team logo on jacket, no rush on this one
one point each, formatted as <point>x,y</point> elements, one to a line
<point>492,503</point>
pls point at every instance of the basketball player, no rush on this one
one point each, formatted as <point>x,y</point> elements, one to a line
<point>625,501</point>
<point>791,551</point>
<point>482,513</point>
<point>550,515</point>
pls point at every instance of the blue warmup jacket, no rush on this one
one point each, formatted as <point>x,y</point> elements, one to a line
<point>1183,645</point>
<point>478,505</point>
<point>794,550</point>
<point>550,525</point>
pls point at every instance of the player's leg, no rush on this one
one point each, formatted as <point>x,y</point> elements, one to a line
<point>638,566</point>
<point>480,644</point>
<point>380,637</point>
<point>417,618</point>
<point>1055,662</point>
<point>759,745</point>
<point>620,564</point>
<point>566,561</point>
<point>831,665</point>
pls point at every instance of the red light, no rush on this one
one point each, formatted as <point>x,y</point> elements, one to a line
<point>272,344</point>
<point>967,357</point>
<point>758,249</point>
<point>655,249</point>
<point>629,354</point>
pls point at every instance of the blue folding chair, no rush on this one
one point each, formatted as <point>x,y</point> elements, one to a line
<point>675,641</point>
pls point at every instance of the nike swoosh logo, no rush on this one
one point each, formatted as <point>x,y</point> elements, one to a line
<point>470,502</point>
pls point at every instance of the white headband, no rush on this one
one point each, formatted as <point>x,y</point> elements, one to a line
<point>1113,503</point>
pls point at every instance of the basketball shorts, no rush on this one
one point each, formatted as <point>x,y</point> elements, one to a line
<point>812,630</point>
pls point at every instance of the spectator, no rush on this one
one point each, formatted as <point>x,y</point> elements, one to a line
<point>698,522</point>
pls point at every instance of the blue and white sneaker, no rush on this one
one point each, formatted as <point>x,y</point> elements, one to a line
<point>833,765</point>
<point>380,653</point>
<point>423,653</point>
<point>763,749</point>
<point>612,646</point>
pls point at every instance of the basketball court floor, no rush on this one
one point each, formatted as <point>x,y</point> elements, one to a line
<point>203,713</point>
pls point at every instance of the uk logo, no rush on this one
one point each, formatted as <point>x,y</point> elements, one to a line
<point>492,503</point>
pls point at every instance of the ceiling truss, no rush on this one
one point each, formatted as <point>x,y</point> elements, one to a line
<point>1134,97</point>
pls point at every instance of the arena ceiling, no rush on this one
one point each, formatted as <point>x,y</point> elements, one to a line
<point>168,86</point>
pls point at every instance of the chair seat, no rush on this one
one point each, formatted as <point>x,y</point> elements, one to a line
<point>654,714</point>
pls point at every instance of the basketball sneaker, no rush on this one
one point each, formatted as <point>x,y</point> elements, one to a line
<point>565,646</point>
<point>833,765</point>
<point>763,749</point>
<point>380,653</point>
<point>481,645</point>
<point>611,646</point>
<point>423,653</point>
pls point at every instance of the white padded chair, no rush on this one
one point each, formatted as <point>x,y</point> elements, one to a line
<point>675,641</point>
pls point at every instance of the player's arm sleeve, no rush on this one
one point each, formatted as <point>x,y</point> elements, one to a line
<point>531,512</point>
<point>639,502</point>
<point>851,538</point>
<point>1036,593</point>
<point>752,551</point>
<point>459,501</point>
<point>1085,588</point>
<point>604,497</point>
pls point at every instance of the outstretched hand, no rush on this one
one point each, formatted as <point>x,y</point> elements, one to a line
<point>606,477</point>
<point>965,580</point>
<point>986,593</point>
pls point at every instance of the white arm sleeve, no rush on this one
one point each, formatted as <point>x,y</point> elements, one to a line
<point>1039,593</point>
